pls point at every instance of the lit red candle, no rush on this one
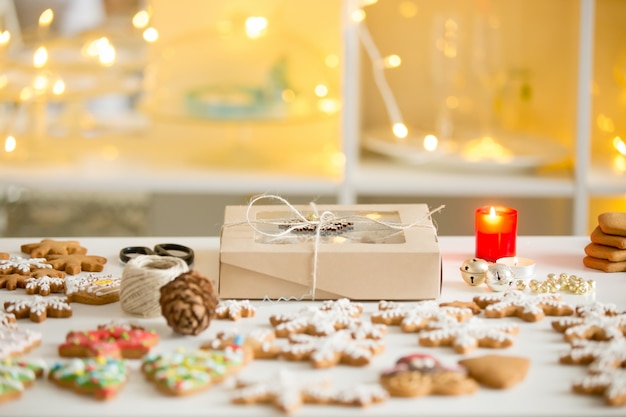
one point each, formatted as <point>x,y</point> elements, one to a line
<point>496,232</point>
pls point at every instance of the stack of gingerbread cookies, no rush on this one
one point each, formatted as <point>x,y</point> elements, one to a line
<point>607,250</point>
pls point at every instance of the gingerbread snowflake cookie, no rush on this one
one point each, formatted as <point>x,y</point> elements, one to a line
<point>610,383</point>
<point>311,320</point>
<point>39,308</point>
<point>341,346</point>
<point>75,263</point>
<point>595,321</point>
<point>7,320</point>
<point>528,307</point>
<point>44,285</point>
<point>413,317</point>
<point>419,374</point>
<point>599,355</point>
<point>468,335</point>
<point>93,289</point>
<point>234,309</point>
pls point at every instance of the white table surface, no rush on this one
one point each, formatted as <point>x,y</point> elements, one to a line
<point>545,391</point>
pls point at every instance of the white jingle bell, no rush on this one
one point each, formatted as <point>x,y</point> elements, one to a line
<point>473,271</point>
<point>500,277</point>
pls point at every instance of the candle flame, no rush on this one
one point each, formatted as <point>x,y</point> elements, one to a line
<point>492,212</point>
<point>46,18</point>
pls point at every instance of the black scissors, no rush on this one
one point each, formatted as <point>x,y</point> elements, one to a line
<point>162,249</point>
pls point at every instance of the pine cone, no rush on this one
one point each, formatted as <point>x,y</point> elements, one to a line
<point>188,302</point>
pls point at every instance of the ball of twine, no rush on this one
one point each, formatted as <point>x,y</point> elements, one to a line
<point>142,279</point>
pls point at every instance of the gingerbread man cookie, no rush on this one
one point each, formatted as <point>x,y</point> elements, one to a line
<point>419,374</point>
<point>100,377</point>
<point>118,341</point>
<point>39,308</point>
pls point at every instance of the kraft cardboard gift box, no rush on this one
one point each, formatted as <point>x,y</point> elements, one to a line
<point>363,254</point>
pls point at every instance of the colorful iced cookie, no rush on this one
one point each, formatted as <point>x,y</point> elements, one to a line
<point>117,341</point>
<point>419,374</point>
<point>100,377</point>
<point>260,342</point>
<point>187,372</point>
<point>16,376</point>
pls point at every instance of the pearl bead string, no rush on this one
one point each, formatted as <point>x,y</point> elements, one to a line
<point>559,283</point>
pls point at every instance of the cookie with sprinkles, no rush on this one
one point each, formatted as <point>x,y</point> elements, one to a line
<point>610,383</point>
<point>116,341</point>
<point>93,289</point>
<point>468,335</point>
<point>39,308</point>
<point>99,377</point>
<point>528,307</point>
<point>234,309</point>
<point>15,342</point>
<point>260,342</point>
<point>187,372</point>
<point>413,317</point>
<point>16,376</point>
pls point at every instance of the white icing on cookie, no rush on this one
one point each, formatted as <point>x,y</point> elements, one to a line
<point>606,355</point>
<point>414,316</point>
<point>98,285</point>
<point>469,334</point>
<point>234,309</point>
<point>534,304</point>
<point>16,341</point>
<point>23,265</point>
<point>43,285</point>
<point>311,320</point>
<point>38,305</point>
<point>611,381</point>
<point>580,327</point>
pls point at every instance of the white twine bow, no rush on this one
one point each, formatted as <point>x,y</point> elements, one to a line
<point>319,222</point>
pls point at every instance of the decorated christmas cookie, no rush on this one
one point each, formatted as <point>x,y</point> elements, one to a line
<point>39,308</point>
<point>610,383</point>
<point>116,341</point>
<point>599,355</point>
<point>16,376</point>
<point>413,317</point>
<point>362,395</point>
<point>595,321</point>
<point>100,377</point>
<point>23,266</point>
<point>7,320</point>
<point>186,372</point>
<point>234,309</point>
<point>528,307</point>
<point>330,350</point>
<point>420,374</point>
<point>260,342</point>
<point>44,285</point>
<point>15,342</point>
<point>93,289</point>
<point>311,320</point>
<point>497,371</point>
<point>467,335</point>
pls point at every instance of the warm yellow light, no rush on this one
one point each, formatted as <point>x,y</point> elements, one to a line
<point>41,57</point>
<point>358,16</point>
<point>58,87</point>
<point>605,123</point>
<point>331,61</point>
<point>339,160</point>
<point>492,213</point>
<point>365,3</point>
<point>10,144</point>
<point>5,37</point>
<point>452,102</point>
<point>321,90</point>
<point>328,105</point>
<point>3,81</point>
<point>26,94</point>
<point>619,163</point>
<point>256,26</point>
<point>46,18</point>
<point>619,144</point>
<point>288,95</point>
<point>407,9</point>
<point>110,153</point>
<point>150,35</point>
<point>400,130</point>
<point>486,148</point>
<point>430,143</point>
<point>392,61</point>
<point>40,83</point>
<point>141,19</point>
<point>107,55</point>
